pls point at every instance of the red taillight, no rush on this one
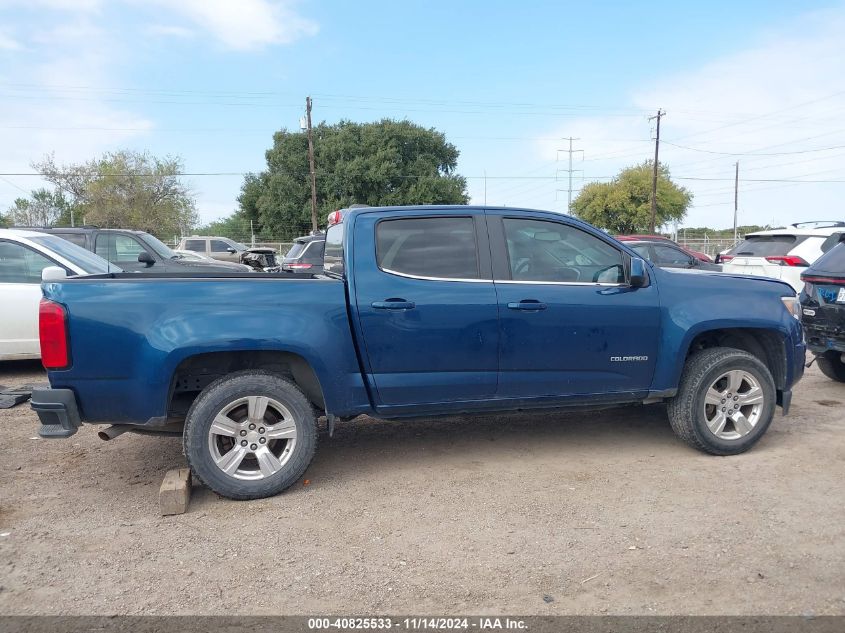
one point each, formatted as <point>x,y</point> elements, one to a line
<point>725,258</point>
<point>335,217</point>
<point>298,266</point>
<point>52,330</point>
<point>787,260</point>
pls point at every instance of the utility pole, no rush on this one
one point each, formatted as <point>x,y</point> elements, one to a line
<point>569,171</point>
<point>660,113</point>
<point>311,167</point>
<point>736,198</point>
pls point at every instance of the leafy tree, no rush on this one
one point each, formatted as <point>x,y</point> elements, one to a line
<point>126,189</point>
<point>43,208</point>
<point>383,163</point>
<point>623,205</point>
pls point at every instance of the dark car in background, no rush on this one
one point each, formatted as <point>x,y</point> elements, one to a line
<point>703,257</point>
<point>305,256</point>
<point>823,311</point>
<point>136,251</point>
<point>667,254</point>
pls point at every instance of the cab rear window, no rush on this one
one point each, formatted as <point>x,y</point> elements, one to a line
<point>767,245</point>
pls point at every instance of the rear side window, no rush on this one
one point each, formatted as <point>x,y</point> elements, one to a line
<point>75,238</point>
<point>442,248</point>
<point>333,257</point>
<point>314,253</point>
<point>197,246</point>
<point>768,245</point>
<point>296,249</point>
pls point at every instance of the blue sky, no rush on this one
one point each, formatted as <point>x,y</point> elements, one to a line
<point>210,80</point>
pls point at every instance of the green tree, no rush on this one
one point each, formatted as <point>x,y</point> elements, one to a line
<point>43,208</point>
<point>126,189</point>
<point>384,163</point>
<point>623,205</point>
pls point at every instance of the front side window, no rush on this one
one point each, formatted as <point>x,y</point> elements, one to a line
<point>21,265</point>
<point>540,250</point>
<point>441,248</point>
<point>669,255</point>
<point>118,248</point>
<point>219,246</point>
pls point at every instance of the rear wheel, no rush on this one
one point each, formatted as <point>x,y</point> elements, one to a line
<point>832,366</point>
<point>725,401</point>
<point>250,435</point>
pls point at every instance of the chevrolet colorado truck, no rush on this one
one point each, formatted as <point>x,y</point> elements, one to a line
<point>419,311</point>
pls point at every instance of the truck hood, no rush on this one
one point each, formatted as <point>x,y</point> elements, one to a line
<point>725,276</point>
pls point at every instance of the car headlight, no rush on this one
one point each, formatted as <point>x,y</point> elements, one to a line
<point>793,306</point>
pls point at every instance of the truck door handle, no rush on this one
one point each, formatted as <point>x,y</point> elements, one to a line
<point>394,304</point>
<point>532,305</point>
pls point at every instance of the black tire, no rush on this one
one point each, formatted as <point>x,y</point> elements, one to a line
<point>230,389</point>
<point>832,366</point>
<point>687,409</point>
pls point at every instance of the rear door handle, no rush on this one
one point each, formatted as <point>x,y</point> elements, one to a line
<point>394,304</point>
<point>531,305</point>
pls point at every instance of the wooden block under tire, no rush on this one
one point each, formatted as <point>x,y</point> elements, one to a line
<point>175,491</point>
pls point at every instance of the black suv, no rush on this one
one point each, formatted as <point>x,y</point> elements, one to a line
<point>136,251</point>
<point>305,256</point>
<point>823,311</point>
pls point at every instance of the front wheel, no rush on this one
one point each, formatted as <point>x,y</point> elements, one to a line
<point>725,401</point>
<point>249,435</point>
<point>832,366</point>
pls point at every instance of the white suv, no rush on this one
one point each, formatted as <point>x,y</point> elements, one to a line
<point>782,253</point>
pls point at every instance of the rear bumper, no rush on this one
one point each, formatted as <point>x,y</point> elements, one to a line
<point>57,411</point>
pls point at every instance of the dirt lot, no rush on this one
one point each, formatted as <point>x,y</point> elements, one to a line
<point>550,514</point>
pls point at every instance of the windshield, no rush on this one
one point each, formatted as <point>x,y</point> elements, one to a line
<point>159,247</point>
<point>767,245</point>
<point>831,262</point>
<point>85,260</point>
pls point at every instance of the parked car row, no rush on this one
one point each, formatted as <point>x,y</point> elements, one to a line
<point>23,257</point>
<point>783,253</point>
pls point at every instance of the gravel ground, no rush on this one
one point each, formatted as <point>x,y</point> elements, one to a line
<point>556,513</point>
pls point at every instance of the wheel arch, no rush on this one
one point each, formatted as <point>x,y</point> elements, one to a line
<point>765,344</point>
<point>196,371</point>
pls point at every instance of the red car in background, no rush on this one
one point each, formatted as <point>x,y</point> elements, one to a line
<point>697,254</point>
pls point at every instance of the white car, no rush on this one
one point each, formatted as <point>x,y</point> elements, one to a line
<point>23,255</point>
<point>782,253</point>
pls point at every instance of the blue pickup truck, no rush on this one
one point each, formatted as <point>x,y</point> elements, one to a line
<point>420,311</point>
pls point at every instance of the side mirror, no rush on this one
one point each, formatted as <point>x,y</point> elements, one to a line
<point>145,258</point>
<point>53,273</point>
<point>638,277</point>
<point>231,250</point>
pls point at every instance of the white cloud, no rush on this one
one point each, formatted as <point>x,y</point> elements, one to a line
<point>37,116</point>
<point>784,93</point>
<point>7,42</point>
<point>246,24</point>
<point>170,30</point>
